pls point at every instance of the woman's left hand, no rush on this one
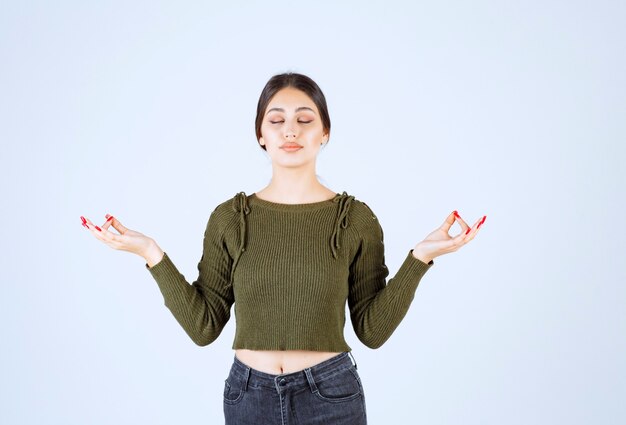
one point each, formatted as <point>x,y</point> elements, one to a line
<point>440,242</point>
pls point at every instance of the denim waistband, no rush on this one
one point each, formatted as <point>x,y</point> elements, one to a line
<point>319,371</point>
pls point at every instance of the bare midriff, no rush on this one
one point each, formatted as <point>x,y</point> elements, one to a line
<point>280,362</point>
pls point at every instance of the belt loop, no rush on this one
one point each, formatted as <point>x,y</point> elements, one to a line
<point>246,378</point>
<point>309,377</point>
<point>355,366</point>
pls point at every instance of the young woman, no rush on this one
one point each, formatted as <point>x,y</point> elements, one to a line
<point>289,257</point>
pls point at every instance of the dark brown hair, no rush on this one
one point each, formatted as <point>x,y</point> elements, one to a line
<point>298,81</point>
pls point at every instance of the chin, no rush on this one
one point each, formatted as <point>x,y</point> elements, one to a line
<point>296,163</point>
<point>290,164</point>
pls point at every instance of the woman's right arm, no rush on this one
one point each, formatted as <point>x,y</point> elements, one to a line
<point>201,308</point>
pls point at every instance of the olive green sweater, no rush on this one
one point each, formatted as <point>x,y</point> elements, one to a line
<point>289,269</point>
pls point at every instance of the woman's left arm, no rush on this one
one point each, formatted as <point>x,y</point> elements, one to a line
<point>377,306</point>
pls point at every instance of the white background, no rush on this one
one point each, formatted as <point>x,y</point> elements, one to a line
<point>145,110</point>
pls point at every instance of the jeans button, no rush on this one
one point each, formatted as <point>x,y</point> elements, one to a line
<point>282,381</point>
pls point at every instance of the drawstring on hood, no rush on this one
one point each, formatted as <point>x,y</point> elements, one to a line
<point>341,222</point>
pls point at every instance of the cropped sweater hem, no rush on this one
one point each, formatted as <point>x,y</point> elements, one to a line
<point>279,347</point>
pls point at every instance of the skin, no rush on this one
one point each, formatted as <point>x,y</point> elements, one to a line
<point>293,182</point>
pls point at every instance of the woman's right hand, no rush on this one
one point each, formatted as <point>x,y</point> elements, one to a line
<point>127,239</point>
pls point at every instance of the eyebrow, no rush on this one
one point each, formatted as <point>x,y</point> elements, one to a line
<point>297,109</point>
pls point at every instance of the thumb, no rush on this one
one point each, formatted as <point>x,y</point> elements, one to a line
<point>449,221</point>
<point>112,221</point>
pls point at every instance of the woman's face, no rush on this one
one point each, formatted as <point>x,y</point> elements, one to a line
<point>292,130</point>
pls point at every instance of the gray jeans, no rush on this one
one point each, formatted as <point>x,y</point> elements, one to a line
<point>329,392</point>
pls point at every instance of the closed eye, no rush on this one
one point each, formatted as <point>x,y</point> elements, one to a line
<point>301,122</point>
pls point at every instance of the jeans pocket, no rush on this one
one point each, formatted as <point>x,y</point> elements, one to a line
<point>233,390</point>
<point>345,385</point>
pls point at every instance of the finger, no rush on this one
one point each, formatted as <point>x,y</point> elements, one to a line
<point>467,235</point>
<point>117,225</point>
<point>109,221</point>
<point>97,231</point>
<point>462,222</point>
<point>87,223</point>
<point>473,233</point>
<point>448,222</point>
<point>83,221</point>
<point>104,234</point>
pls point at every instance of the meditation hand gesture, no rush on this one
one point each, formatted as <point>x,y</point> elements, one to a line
<point>440,242</point>
<point>127,239</point>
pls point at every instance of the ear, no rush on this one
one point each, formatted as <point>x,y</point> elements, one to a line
<point>261,141</point>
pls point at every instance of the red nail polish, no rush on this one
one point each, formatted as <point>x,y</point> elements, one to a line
<point>85,226</point>
<point>99,228</point>
<point>83,219</point>
<point>456,214</point>
<point>110,218</point>
<point>468,230</point>
<point>482,221</point>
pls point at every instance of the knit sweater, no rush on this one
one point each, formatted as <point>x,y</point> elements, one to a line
<point>289,269</point>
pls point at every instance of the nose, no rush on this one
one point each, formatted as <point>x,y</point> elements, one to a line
<point>289,133</point>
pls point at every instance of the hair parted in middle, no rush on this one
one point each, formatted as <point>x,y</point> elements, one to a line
<point>297,81</point>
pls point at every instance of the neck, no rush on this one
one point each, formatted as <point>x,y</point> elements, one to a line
<point>294,185</point>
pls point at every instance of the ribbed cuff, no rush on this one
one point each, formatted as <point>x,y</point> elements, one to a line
<point>411,271</point>
<point>426,264</point>
<point>164,269</point>
<point>171,282</point>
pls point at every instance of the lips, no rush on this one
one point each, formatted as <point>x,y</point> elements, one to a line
<point>291,146</point>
